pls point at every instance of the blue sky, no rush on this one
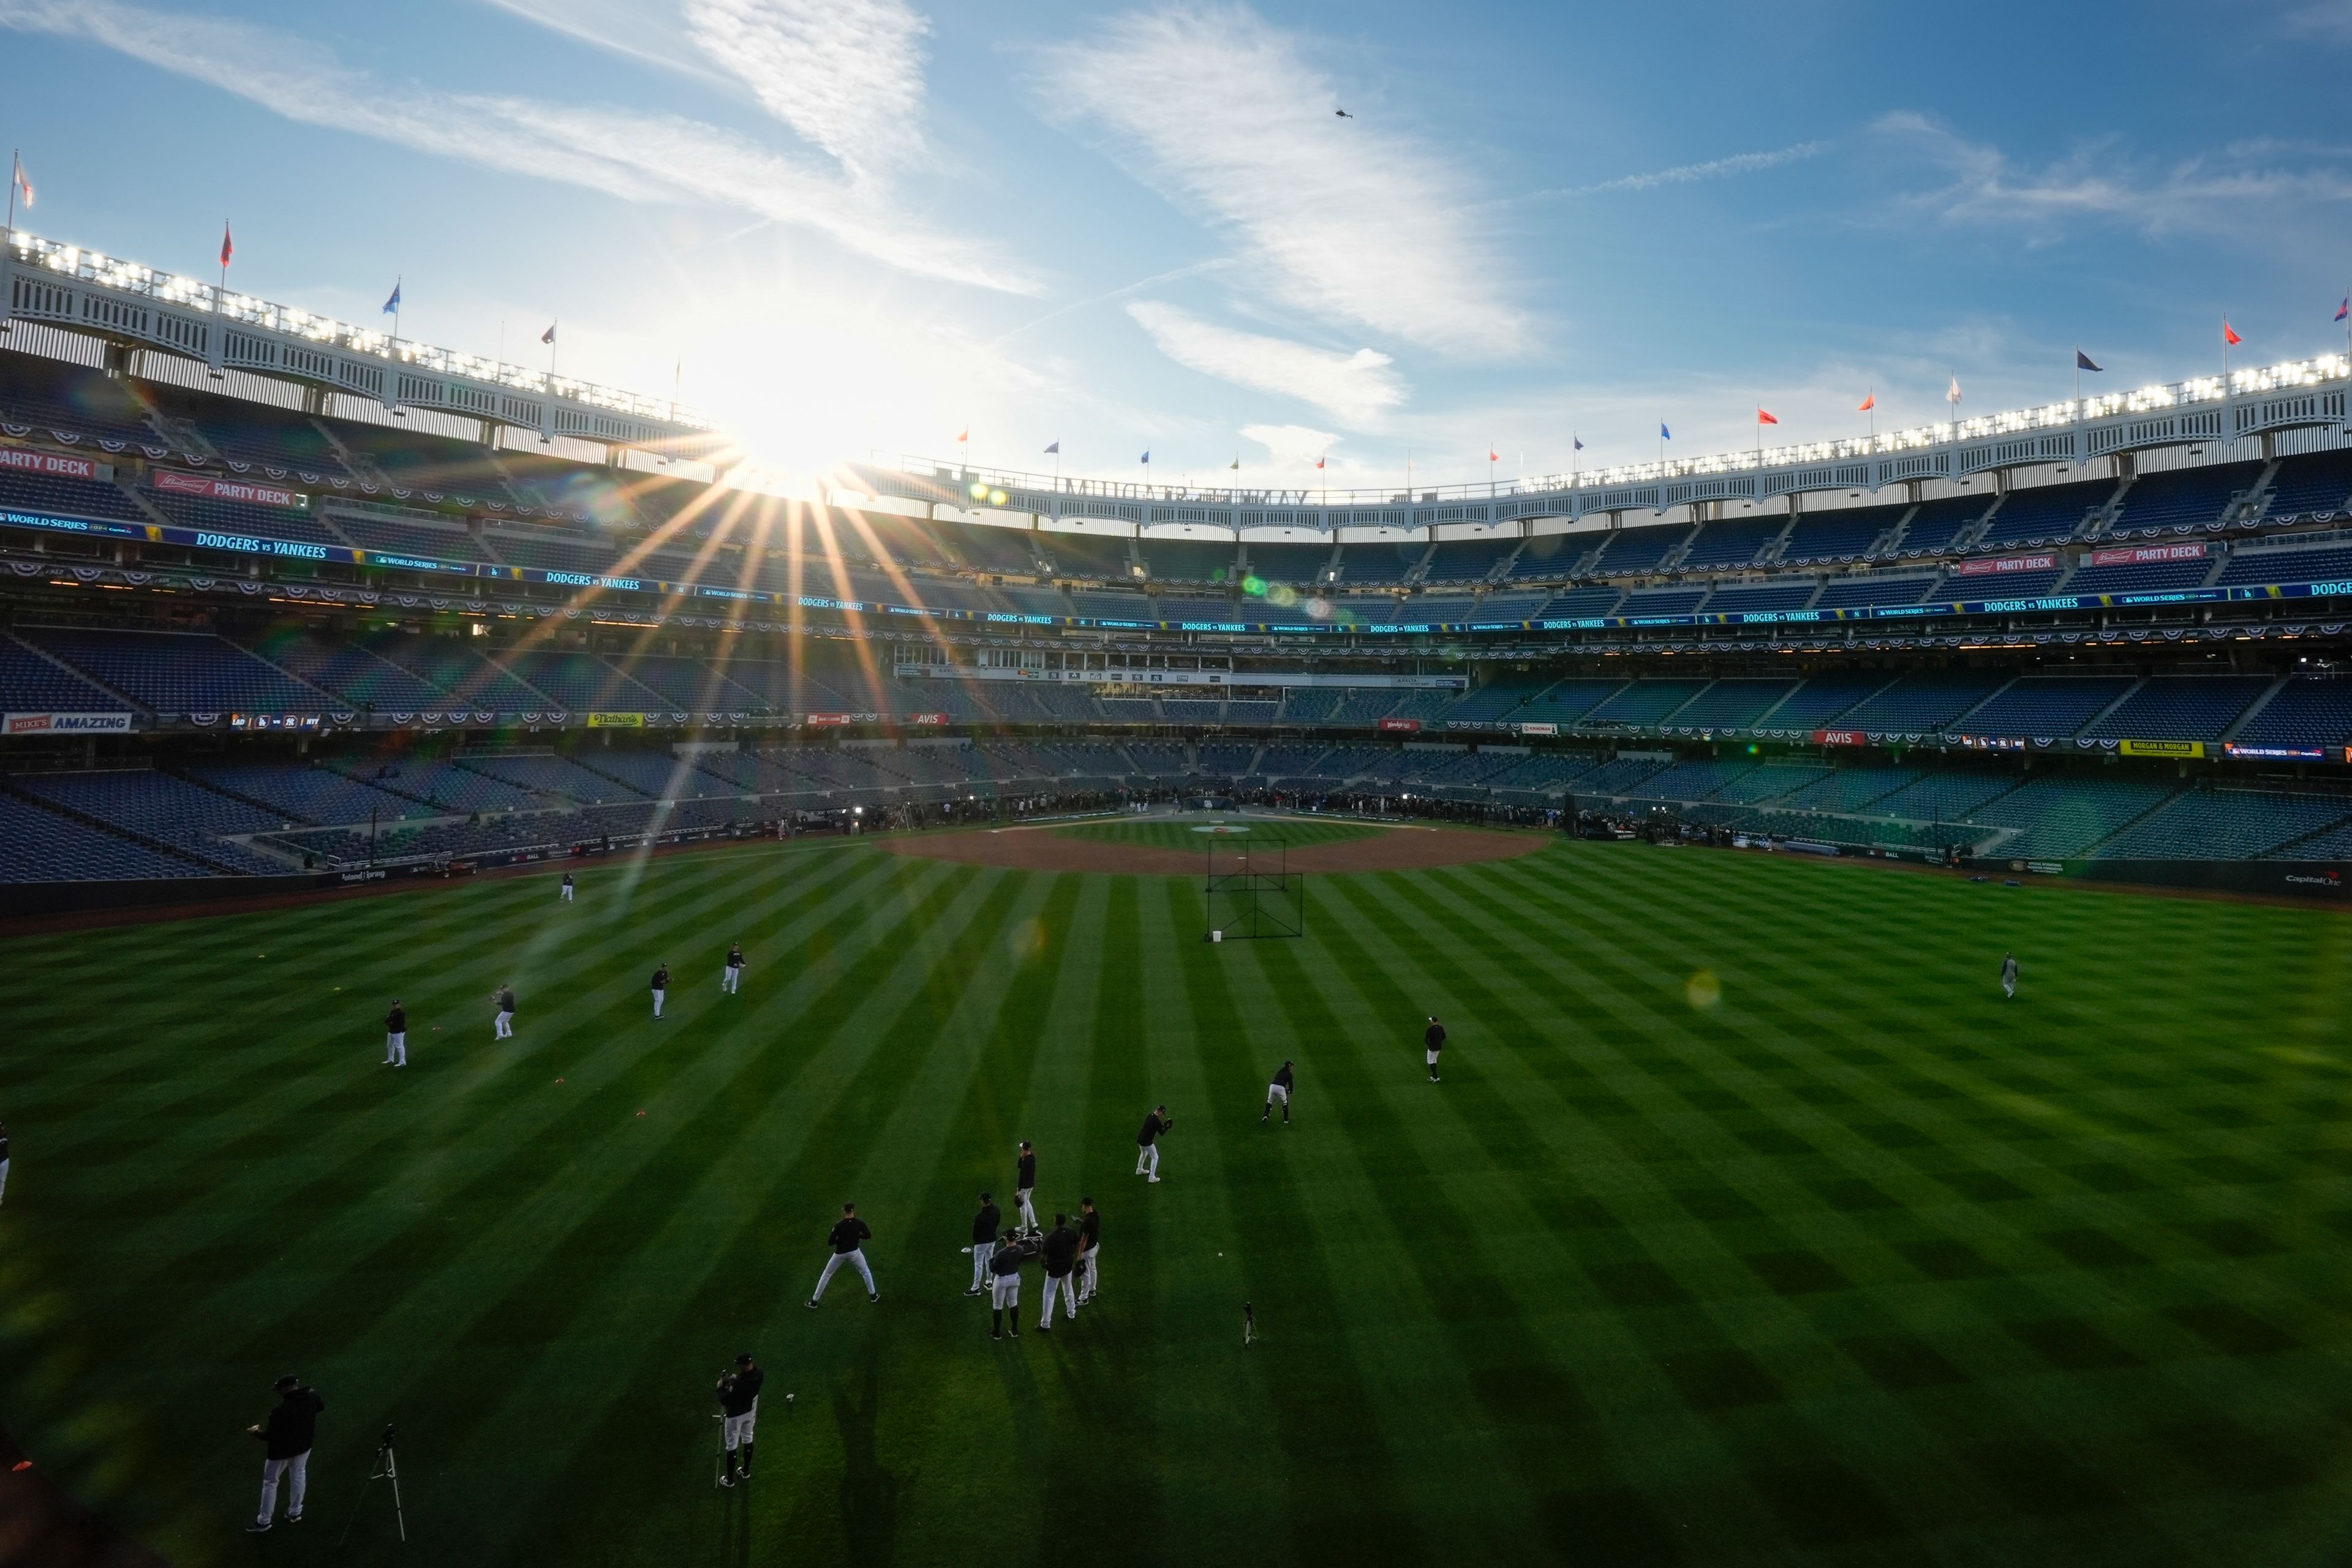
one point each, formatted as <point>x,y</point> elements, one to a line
<point>863,224</point>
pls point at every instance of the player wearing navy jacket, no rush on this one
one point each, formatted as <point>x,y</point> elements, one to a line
<point>847,1238</point>
<point>1147,1142</point>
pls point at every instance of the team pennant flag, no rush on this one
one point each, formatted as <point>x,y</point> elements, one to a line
<point>1952,393</point>
<point>1867,404</point>
<point>547,337</point>
<point>1147,456</point>
<point>1764,418</point>
<point>2229,333</point>
<point>228,245</point>
<point>1493,455</point>
<point>1665,434</point>
<point>1578,442</point>
<point>2083,361</point>
<point>2341,311</point>
<point>1318,462</point>
<point>1054,450</point>
<point>1236,462</point>
<point>392,306</point>
<point>24,185</point>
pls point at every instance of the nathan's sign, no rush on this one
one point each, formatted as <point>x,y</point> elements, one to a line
<point>26,460</point>
<point>210,489</point>
<point>2146,555</point>
<point>616,720</point>
<point>2005,563</point>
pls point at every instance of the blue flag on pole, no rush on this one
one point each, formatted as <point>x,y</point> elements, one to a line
<point>2344,309</point>
<point>1147,456</point>
<point>392,306</point>
<point>1665,434</point>
<point>1052,450</point>
<point>2083,361</point>
<point>1580,443</point>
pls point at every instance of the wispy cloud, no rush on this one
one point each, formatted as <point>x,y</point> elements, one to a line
<point>2328,19</point>
<point>1979,184</point>
<point>1355,388</point>
<point>847,74</point>
<point>638,156</point>
<point>1713,169</point>
<point>1345,219</point>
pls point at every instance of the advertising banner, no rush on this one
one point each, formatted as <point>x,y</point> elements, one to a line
<point>2275,753</point>
<point>2007,563</point>
<point>1839,738</point>
<point>1400,726</point>
<point>24,460</point>
<point>616,720</point>
<point>67,724</point>
<point>1539,729</point>
<point>2149,552</point>
<point>2161,748</point>
<point>827,720</point>
<point>932,719</point>
<point>210,489</point>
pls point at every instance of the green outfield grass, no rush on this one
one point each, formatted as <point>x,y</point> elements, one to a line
<point>1190,834</point>
<point>1749,1226</point>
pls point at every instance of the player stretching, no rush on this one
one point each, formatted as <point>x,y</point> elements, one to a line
<point>1434,1038</point>
<point>731,976</point>
<point>1279,1091</point>
<point>847,1235</point>
<point>1147,1142</point>
<point>2009,976</point>
<point>738,1400</point>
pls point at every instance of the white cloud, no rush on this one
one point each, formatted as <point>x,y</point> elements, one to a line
<point>641,157</point>
<point>847,74</point>
<point>1979,184</point>
<point>1291,445</point>
<point>629,27</point>
<point>1348,220</point>
<point>1713,169</point>
<point>1355,388</point>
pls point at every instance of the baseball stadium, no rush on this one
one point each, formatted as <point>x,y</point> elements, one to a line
<point>1780,1006</point>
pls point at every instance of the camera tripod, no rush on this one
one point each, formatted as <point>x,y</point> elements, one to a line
<point>387,1468</point>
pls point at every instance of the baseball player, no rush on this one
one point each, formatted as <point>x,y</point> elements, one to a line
<point>291,1430</point>
<point>1278,1093</point>
<point>847,1236</point>
<point>1089,1243</point>
<point>567,887</point>
<point>984,1241</point>
<point>2009,976</point>
<point>738,1401</point>
<point>1147,1142</point>
<point>1005,1280</point>
<point>395,1036</point>
<point>1025,1181</point>
<point>1434,1038</point>
<point>731,976</point>
<point>506,1001</point>
<point>1061,1248</point>
<point>661,987</point>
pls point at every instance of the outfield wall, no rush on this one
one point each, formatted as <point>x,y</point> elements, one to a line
<point>31,900</point>
<point>2328,882</point>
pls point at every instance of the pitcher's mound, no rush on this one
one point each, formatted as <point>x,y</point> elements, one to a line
<point>1391,847</point>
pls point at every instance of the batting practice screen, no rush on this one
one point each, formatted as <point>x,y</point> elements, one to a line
<point>1252,892</point>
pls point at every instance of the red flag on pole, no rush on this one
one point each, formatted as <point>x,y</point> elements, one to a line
<point>1764,418</point>
<point>2229,333</point>
<point>1318,462</point>
<point>228,245</point>
<point>1868,404</point>
<point>1493,455</point>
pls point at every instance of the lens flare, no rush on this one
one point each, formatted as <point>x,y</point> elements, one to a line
<point>1702,990</point>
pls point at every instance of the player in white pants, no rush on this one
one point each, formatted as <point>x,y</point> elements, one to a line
<point>2009,976</point>
<point>1089,1246</point>
<point>506,1013</point>
<point>4,1159</point>
<point>395,1036</point>
<point>1146,1143</point>
<point>1025,1181</point>
<point>730,977</point>
<point>567,887</point>
<point>661,987</point>
<point>847,1235</point>
<point>288,1436</point>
